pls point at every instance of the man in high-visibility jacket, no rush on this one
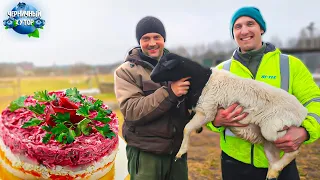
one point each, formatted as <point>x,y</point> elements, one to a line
<point>262,61</point>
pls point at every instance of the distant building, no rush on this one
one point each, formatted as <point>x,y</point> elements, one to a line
<point>25,69</point>
<point>26,66</point>
<point>310,57</point>
<point>211,62</point>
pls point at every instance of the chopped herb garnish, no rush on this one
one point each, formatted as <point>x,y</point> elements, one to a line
<point>32,122</point>
<point>43,96</point>
<point>74,95</point>
<point>83,111</point>
<point>61,117</point>
<point>37,109</point>
<point>62,129</point>
<point>17,104</point>
<point>106,131</point>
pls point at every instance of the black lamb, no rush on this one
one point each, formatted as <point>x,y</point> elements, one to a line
<point>172,67</point>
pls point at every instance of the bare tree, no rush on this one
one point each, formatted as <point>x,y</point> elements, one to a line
<point>276,41</point>
<point>291,43</point>
<point>182,51</point>
<point>311,28</point>
<point>217,46</point>
<point>304,40</point>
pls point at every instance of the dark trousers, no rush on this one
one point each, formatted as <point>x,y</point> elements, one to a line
<point>233,169</point>
<point>149,166</point>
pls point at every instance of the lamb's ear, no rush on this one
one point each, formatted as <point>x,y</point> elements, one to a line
<point>171,64</point>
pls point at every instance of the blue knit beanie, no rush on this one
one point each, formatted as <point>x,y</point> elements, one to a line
<point>252,12</point>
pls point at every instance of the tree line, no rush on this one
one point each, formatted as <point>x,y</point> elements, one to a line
<point>212,53</point>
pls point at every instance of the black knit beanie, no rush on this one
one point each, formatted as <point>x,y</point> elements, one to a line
<point>149,24</point>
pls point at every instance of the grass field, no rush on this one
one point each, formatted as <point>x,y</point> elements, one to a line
<point>204,152</point>
<point>29,85</point>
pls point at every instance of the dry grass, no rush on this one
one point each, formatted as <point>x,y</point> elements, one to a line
<point>204,158</point>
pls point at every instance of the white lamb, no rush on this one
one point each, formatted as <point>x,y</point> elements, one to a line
<point>269,109</point>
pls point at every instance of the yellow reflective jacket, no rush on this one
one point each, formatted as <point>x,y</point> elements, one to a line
<point>300,83</point>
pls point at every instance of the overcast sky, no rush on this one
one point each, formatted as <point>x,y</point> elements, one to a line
<point>102,31</point>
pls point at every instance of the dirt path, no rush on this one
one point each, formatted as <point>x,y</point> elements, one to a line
<point>204,158</point>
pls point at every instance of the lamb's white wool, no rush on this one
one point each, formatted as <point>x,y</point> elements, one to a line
<point>269,107</point>
<point>270,110</point>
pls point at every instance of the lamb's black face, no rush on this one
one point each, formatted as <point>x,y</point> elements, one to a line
<point>167,69</point>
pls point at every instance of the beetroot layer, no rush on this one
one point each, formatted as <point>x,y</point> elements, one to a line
<point>28,141</point>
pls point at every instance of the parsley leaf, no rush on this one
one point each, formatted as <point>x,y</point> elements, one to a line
<point>46,128</point>
<point>101,116</point>
<point>105,131</point>
<point>78,131</point>
<point>71,136</point>
<point>74,95</point>
<point>37,109</point>
<point>61,117</point>
<point>83,111</point>
<point>32,122</point>
<point>65,131</point>
<point>44,96</point>
<point>83,126</point>
<point>59,128</point>
<point>96,105</point>
<point>18,103</point>
<point>62,138</point>
<point>63,134</point>
<point>109,111</point>
<point>47,138</point>
<point>110,135</point>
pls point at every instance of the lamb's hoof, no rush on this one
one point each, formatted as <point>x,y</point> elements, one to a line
<point>178,156</point>
<point>272,174</point>
<point>199,130</point>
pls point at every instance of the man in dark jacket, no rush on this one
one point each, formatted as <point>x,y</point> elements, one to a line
<point>154,114</point>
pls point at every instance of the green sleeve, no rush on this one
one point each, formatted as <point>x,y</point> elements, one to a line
<point>213,128</point>
<point>305,89</point>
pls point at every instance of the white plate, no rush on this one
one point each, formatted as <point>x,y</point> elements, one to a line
<point>121,164</point>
